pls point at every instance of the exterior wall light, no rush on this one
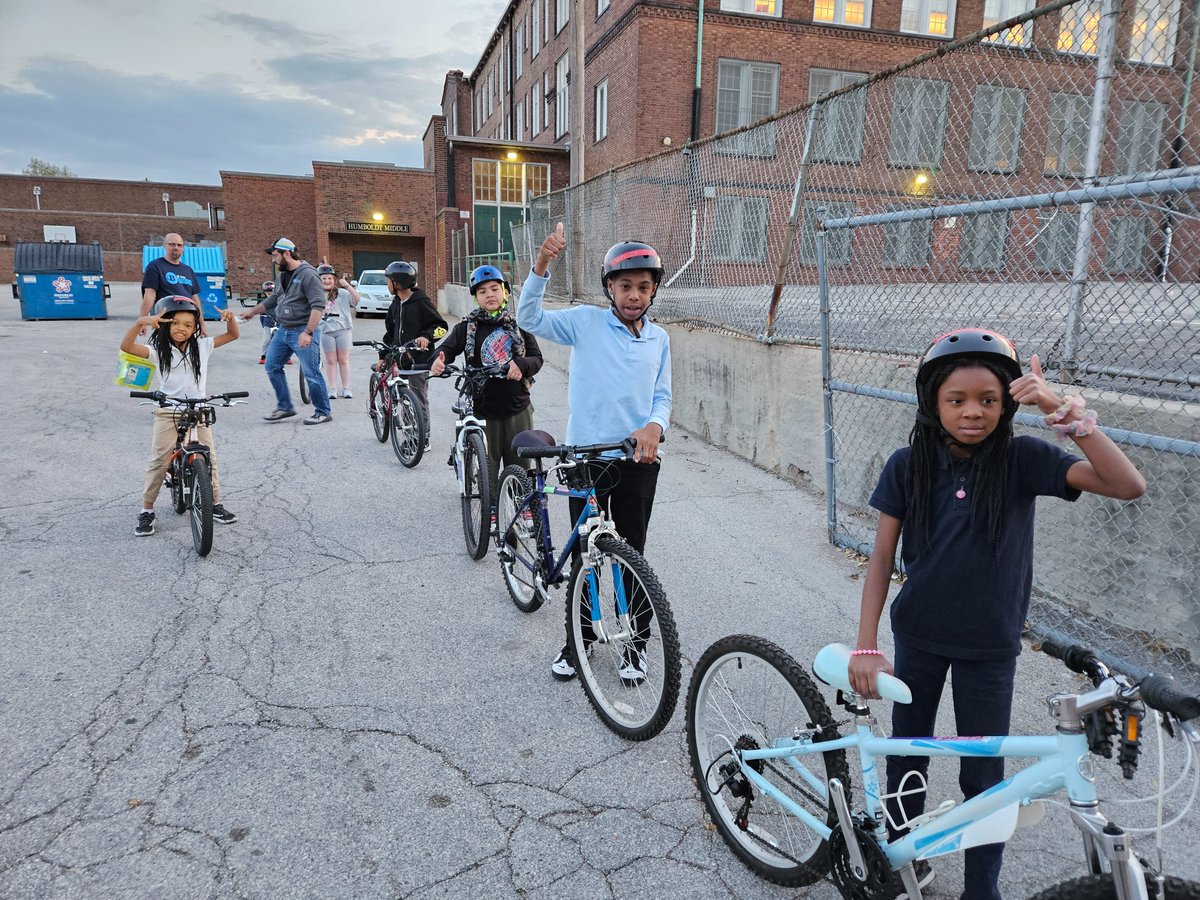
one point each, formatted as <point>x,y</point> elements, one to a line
<point>378,217</point>
<point>512,154</point>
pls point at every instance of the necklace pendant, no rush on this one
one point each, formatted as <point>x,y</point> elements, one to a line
<point>960,494</point>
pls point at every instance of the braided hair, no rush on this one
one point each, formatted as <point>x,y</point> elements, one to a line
<point>990,456</point>
<point>160,340</point>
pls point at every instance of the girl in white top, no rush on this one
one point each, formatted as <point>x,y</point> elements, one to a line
<point>180,356</point>
<point>336,328</point>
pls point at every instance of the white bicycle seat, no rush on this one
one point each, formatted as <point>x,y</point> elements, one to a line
<point>832,666</point>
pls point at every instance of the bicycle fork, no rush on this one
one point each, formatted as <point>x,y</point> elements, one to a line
<point>594,560</point>
<point>1105,840</point>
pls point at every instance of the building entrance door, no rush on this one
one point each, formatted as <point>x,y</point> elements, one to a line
<point>373,259</point>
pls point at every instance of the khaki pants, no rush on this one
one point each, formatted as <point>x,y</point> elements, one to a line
<point>161,444</point>
<point>500,433</point>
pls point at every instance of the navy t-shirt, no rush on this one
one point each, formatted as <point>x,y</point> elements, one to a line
<point>962,598</point>
<point>167,279</point>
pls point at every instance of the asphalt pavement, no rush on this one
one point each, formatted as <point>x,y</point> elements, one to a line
<point>338,702</point>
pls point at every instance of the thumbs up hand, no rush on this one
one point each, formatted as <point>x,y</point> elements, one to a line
<point>551,247</point>
<point>1032,389</point>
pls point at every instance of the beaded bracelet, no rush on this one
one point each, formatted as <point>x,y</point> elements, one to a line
<point>866,653</point>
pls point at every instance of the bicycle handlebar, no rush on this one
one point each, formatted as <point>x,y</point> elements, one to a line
<point>453,369</point>
<point>581,451</point>
<point>162,399</point>
<point>407,347</point>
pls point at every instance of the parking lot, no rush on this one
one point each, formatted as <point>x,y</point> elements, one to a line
<point>337,702</point>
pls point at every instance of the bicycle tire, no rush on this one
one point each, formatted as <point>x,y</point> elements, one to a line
<point>304,396</point>
<point>737,675</point>
<point>636,712</point>
<point>379,409</point>
<point>202,506</point>
<point>408,427</point>
<point>522,543</point>
<point>1101,887</point>
<point>477,496</point>
<point>179,498</point>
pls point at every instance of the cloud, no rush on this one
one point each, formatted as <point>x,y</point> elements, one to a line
<point>260,27</point>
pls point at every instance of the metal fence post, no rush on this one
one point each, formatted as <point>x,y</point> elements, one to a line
<point>826,382</point>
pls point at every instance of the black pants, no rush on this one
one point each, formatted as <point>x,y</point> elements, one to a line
<point>624,490</point>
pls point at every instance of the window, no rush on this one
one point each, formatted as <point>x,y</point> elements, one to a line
<point>740,229</point>
<point>1067,134</point>
<point>537,179</point>
<point>189,209</point>
<point>520,48</point>
<point>856,13</point>
<point>512,176</point>
<point>483,172</point>
<point>546,98</point>
<point>1057,233</point>
<point>508,183</point>
<point>535,28</point>
<point>546,22</point>
<point>918,122</point>
<point>996,128</point>
<point>562,15</point>
<point>755,7</point>
<point>996,11</point>
<point>837,243</point>
<point>838,136</point>
<point>216,218</point>
<point>933,17</point>
<point>602,110</point>
<point>520,111</point>
<point>983,238</point>
<point>601,7</point>
<point>562,107</point>
<point>747,92</point>
<point>907,243</point>
<point>535,110</point>
<point>1139,140</point>
<point>1128,237</point>
<point>1079,27</point>
<point>1153,37</point>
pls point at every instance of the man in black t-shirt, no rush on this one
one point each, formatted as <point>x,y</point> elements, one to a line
<point>167,276</point>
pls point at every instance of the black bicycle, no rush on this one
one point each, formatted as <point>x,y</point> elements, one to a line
<point>191,463</point>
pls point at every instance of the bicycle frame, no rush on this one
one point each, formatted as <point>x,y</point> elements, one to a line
<point>187,445</point>
<point>465,424</point>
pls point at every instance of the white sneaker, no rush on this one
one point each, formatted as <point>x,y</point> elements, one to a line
<point>562,668</point>
<point>345,394</point>
<point>633,672</point>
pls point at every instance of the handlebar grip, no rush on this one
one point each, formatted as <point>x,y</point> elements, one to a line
<point>1162,694</point>
<point>363,343</point>
<point>1076,657</point>
<point>234,395</point>
<point>147,395</point>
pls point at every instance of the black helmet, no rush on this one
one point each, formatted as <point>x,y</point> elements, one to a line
<point>172,305</point>
<point>631,255</point>
<point>978,342</point>
<point>404,274</point>
<point>326,270</point>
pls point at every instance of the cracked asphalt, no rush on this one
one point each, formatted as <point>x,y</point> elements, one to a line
<point>337,702</point>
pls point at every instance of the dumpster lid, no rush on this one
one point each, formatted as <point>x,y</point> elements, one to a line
<point>203,260</point>
<point>47,258</point>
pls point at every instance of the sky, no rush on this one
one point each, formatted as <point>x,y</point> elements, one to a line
<point>177,92</point>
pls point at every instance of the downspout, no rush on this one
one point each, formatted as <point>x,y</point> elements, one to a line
<point>691,259</point>
<point>512,82</point>
<point>1164,257</point>
<point>699,69</point>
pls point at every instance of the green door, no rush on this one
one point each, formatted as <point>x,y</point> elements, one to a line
<point>373,259</point>
<point>509,216</point>
<point>486,237</point>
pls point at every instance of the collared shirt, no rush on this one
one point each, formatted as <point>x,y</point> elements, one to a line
<point>617,383</point>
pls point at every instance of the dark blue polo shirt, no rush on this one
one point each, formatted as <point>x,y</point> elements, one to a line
<point>170,279</point>
<point>961,598</point>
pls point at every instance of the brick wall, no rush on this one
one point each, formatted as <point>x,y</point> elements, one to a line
<point>258,209</point>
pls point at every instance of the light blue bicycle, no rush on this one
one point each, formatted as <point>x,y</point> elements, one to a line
<point>771,765</point>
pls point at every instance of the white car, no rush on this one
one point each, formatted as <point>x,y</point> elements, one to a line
<point>374,298</point>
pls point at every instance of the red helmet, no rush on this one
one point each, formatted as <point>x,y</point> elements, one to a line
<point>631,256</point>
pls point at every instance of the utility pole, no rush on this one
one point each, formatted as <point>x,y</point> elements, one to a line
<point>578,131</point>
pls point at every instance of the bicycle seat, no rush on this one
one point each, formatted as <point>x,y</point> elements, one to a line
<point>534,438</point>
<point>832,666</point>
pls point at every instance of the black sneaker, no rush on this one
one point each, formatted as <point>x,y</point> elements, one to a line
<point>924,872</point>
<point>145,523</point>
<point>222,515</point>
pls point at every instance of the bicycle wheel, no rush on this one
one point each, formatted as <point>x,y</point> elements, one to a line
<point>747,693</point>
<point>304,398</point>
<point>408,427</point>
<point>477,495</point>
<point>521,542</point>
<point>635,707</point>
<point>202,504</point>
<point>178,497</point>
<point>378,408</point>
<point>1101,887</point>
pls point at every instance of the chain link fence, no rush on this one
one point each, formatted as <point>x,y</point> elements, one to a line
<point>1039,178</point>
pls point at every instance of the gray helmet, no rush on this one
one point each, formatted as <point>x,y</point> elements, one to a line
<point>404,274</point>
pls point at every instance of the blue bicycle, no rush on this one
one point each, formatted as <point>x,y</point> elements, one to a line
<point>619,624</point>
<point>772,769</point>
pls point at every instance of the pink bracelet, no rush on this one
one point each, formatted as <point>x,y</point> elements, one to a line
<point>1069,405</point>
<point>866,653</point>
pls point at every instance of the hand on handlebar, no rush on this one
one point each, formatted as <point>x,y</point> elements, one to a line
<point>648,438</point>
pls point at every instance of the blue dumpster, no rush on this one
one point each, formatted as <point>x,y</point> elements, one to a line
<point>209,265</point>
<point>60,281</point>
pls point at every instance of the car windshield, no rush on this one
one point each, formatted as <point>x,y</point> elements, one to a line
<point>372,278</point>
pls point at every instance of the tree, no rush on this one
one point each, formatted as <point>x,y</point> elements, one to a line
<point>47,170</point>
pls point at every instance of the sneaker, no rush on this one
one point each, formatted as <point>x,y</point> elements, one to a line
<point>427,445</point>
<point>145,523</point>
<point>346,395</point>
<point>262,360</point>
<point>633,672</point>
<point>279,415</point>
<point>562,668</point>
<point>924,872</point>
<point>317,419</point>
<point>222,515</point>
<point>169,481</point>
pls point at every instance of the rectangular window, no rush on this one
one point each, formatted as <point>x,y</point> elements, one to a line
<point>601,7</point>
<point>537,179</point>
<point>1067,133</point>
<point>1139,140</point>
<point>520,48</point>
<point>996,11</point>
<point>918,124</point>
<point>512,183</point>
<point>747,92</point>
<point>521,119</point>
<point>932,17</point>
<point>562,107</point>
<point>856,13</point>
<point>740,229</point>
<point>483,172</point>
<point>547,97</point>
<point>1154,26</point>
<point>907,243</point>
<point>562,15</point>
<point>1079,27</point>
<point>535,28</point>
<point>1128,237</point>
<point>535,110</point>
<point>1057,233</point>
<point>838,134</point>
<point>602,110</point>
<point>983,239</point>
<point>754,7</point>
<point>216,218</point>
<point>996,128</point>
<point>837,243</point>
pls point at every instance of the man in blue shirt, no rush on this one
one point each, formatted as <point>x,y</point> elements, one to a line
<point>619,384</point>
<point>168,276</point>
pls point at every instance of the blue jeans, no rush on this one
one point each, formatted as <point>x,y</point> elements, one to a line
<point>982,690</point>
<point>283,345</point>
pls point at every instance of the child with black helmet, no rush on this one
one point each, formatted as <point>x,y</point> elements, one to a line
<point>962,495</point>
<point>412,317</point>
<point>619,386</point>
<point>490,337</point>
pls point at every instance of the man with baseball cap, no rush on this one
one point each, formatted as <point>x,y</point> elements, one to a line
<point>297,304</point>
